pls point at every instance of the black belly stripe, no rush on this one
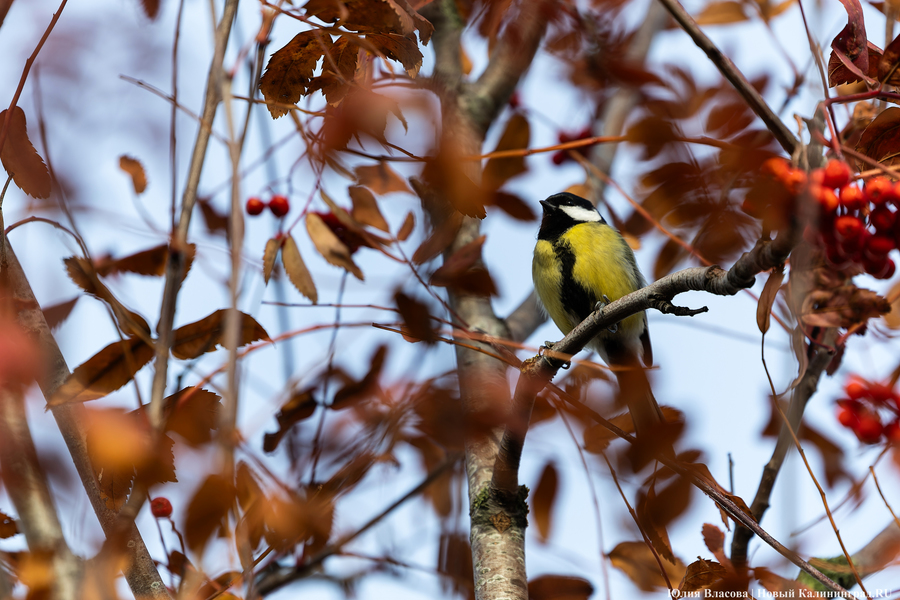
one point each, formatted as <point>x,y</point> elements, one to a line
<point>578,301</point>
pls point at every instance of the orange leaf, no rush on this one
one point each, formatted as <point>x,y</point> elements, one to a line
<point>329,246</point>
<point>881,139</point>
<point>408,223</point>
<point>338,70</point>
<point>416,319</point>
<point>269,256</point>
<point>300,406</point>
<point>151,9</point>
<point>892,319</point>
<point>767,299</point>
<point>193,414</point>
<point>354,391</point>
<point>513,206</point>
<point>55,315</point>
<point>543,498</point>
<point>21,160</point>
<point>381,179</point>
<point>722,13</point>
<point>135,169</point>
<point>636,560</point>
<point>290,69</point>
<point>200,337</point>
<point>208,510</point>
<point>8,526</point>
<point>105,372</point>
<point>516,136</point>
<point>151,262</point>
<point>400,48</point>
<point>702,574</point>
<point>559,587</point>
<point>297,271</point>
<point>365,208</point>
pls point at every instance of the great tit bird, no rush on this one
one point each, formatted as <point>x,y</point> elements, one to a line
<point>580,262</point>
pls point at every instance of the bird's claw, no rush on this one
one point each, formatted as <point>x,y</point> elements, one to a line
<point>599,306</point>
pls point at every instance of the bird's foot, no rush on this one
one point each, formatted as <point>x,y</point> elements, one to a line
<point>599,306</point>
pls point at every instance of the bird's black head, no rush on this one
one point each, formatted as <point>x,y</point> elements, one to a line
<point>562,211</point>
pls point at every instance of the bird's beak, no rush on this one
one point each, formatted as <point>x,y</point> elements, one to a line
<point>548,208</point>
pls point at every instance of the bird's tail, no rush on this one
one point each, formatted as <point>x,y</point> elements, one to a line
<point>634,390</point>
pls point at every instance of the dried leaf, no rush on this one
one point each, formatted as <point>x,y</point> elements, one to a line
<point>702,574</point>
<point>269,256</point>
<point>892,319</point>
<point>338,70</point>
<point>516,136</point>
<point>329,246</point>
<point>637,561</point>
<point>151,9</point>
<point>442,236</point>
<point>216,222</point>
<point>543,499</point>
<point>20,159</point>
<point>767,299</point>
<point>193,414</point>
<point>105,372</point>
<point>55,315</point>
<point>208,510</point>
<point>513,205</point>
<point>200,337</point>
<point>408,223</point>
<point>290,69</point>
<point>888,63</point>
<point>852,43</point>
<point>714,538</point>
<point>355,391</point>
<point>8,526</point>
<point>559,587</point>
<point>296,270</point>
<point>299,407</point>
<point>381,179</point>
<point>881,139</point>
<point>365,208</point>
<point>463,272</point>
<point>151,262</point>
<point>780,587</point>
<point>722,13</point>
<point>597,437</point>
<point>416,319</point>
<point>403,49</point>
<point>135,169</point>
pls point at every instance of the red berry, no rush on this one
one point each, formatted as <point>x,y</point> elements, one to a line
<point>848,227</point>
<point>852,197</point>
<point>878,246</point>
<point>279,205</point>
<point>856,387</point>
<point>882,219</point>
<point>161,507</point>
<point>255,206</point>
<point>887,270</point>
<point>877,190</point>
<point>880,393</point>
<point>847,416</point>
<point>837,258</point>
<point>836,174</point>
<point>869,428</point>
<point>560,157</point>
<point>892,432</point>
<point>776,167</point>
<point>794,180</point>
<point>827,199</point>
<point>514,100</point>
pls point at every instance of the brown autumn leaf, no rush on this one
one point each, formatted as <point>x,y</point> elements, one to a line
<point>637,561</point>
<point>81,271</point>
<point>20,159</point>
<point>462,272</point>
<point>669,255</point>
<point>290,69</point>
<point>597,437</point>
<point>722,13</point>
<point>445,173</point>
<point>354,391</point>
<point>365,208</point>
<point>105,372</point>
<point>338,70</point>
<point>408,223</point>
<point>329,246</point>
<point>769,10</point>
<point>400,48</point>
<point>881,139</point>
<point>417,321</point>
<point>150,262</point>
<point>714,538</point>
<point>381,179</point>
<point>559,587</point>
<point>216,223</point>
<point>892,318</point>
<point>888,63</point>
<point>853,44</point>
<point>300,406</point>
<point>208,510</point>
<point>135,170</point>
<point>273,246</point>
<point>151,9</point>
<point>702,574</point>
<point>193,414</point>
<point>781,587</point>
<point>443,235</point>
<point>516,136</point>
<point>512,205</point>
<point>8,526</point>
<point>296,270</point>
<point>197,338</point>
<point>767,299</point>
<point>55,315</point>
<point>543,499</point>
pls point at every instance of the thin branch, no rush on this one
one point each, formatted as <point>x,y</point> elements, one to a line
<point>756,102</point>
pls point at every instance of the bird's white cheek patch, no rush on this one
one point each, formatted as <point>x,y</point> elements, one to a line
<point>581,214</point>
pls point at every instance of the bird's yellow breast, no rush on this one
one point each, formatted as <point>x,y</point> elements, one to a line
<point>599,261</point>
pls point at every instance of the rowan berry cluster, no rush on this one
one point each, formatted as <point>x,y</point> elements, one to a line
<point>279,205</point>
<point>870,410</point>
